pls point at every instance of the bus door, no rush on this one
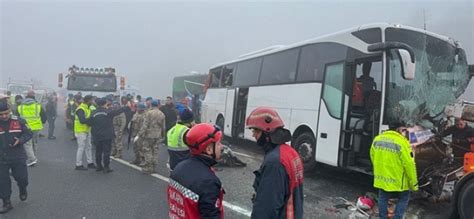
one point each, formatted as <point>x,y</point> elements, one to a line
<point>239,112</point>
<point>229,111</point>
<point>363,85</point>
<point>330,114</point>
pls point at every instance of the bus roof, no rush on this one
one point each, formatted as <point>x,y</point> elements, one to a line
<point>333,37</point>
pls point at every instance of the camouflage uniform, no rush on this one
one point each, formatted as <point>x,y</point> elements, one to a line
<point>119,123</point>
<point>137,123</point>
<point>152,132</point>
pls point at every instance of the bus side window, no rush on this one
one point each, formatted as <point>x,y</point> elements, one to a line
<point>227,76</point>
<point>215,77</point>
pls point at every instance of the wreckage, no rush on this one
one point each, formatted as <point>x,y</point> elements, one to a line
<point>442,176</point>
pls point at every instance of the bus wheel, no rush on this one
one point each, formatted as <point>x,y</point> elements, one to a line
<point>465,200</point>
<point>305,145</point>
<point>220,123</point>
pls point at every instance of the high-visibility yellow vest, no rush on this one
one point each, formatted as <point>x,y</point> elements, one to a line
<point>175,138</point>
<point>92,108</point>
<point>393,163</point>
<point>32,114</point>
<point>78,126</point>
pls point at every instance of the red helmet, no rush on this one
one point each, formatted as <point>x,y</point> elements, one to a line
<point>265,119</point>
<point>201,135</point>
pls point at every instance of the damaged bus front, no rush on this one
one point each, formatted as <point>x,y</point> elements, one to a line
<point>429,103</point>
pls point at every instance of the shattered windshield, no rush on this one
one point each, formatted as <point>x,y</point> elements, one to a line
<point>441,76</point>
<point>105,83</point>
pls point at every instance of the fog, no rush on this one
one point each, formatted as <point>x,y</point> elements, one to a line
<point>151,42</point>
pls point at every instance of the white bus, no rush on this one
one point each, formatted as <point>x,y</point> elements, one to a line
<point>317,87</point>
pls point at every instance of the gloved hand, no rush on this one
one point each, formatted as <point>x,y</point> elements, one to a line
<point>135,139</point>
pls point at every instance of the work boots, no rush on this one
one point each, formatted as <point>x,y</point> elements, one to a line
<point>108,170</point>
<point>23,194</point>
<point>7,206</point>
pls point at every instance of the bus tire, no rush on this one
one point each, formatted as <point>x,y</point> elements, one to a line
<point>305,145</point>
<point>465,200</point>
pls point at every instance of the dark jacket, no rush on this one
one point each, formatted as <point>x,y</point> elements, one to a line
<point>194,181</point>
<point>274,186</point>
<point>13,128</point>
<point>51,109</point>
<point>171,115</point>
<point>101,123</point>
<point>460,139</point>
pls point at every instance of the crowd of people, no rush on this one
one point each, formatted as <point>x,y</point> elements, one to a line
<point>194,190</point>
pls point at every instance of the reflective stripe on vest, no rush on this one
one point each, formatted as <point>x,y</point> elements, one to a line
<point>32,114</point>
<point>78,126</point>
<point>175,138</point>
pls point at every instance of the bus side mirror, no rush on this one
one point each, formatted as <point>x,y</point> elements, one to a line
<point>60,80</point>
<point>408,67</point>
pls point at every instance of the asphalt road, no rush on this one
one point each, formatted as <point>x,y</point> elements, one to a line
<point>56,190</point>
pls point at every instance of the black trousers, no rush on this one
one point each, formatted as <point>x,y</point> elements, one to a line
<point>102,151</point>
<point>19,173</point>
<point>51,121</point>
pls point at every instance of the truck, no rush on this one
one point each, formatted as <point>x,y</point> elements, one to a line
<point>19,87</point>
<point>94,81</point>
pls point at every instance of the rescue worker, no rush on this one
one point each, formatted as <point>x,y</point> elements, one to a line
<point>35,117</point>
<point>177,149</point>
<point>279,181</point>
<point>14,133</point>
<point>119,123</point>
<point>194,191</point>
<point>151,132</point>
<point>102,132</point>
<point>461,133</point>
<point>137,123</point>
<point>394,168</point>
<point>51,113</point>
<point>83,135</point>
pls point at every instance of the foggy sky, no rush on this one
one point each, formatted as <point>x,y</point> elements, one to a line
<point>151,42</point>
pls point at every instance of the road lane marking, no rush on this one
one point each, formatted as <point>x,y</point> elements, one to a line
<point>246,155</point>
<point>230,206</point>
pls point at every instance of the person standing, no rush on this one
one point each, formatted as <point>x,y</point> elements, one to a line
<point>279,181</point>
<point>137,123</point>
<point>102,132</point>
<point>83,135</point>
<point>51,114</point>
<point>170,113</point>
<point>35,117</point>
<point>119,123</point>
<point>151,132</point>
<point>394,168</point>
<point>18,101</point>
<point>177,149</point>
<point>14,133</point>
<point>194,190</point>
<point>461,134</point>
<point>148,101</point>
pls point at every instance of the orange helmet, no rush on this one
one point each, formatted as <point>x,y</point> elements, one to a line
<point>201,135</point>
<point>265,119</point>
